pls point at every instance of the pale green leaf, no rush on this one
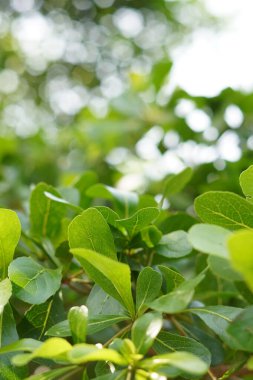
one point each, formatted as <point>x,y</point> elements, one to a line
<point>83,353</point>
<point>210,239</point>
<point>5,293</point>
<point>50,349</point>
<point>10,230</point>
<point>174,245</point>
<point>246,182</point>
<point>240,246</point>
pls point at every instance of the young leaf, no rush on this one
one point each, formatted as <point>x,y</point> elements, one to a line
<point>10,230</point>
<point>178,299</point>
<point>45,214</point>
<point>172,278</point>
<point>50,349</point>
<point>144,331</point>
<point>175,183</point>
<point>139,220</point>
<point>210,239</point>
<point>83,353</point>
<point>241,329</point>
<point>21,345</point>
<point>168,342</point>
<point>224,209</point>
<point>174,245</point>
<point>77,317</point>
<point>148,286</point>
<point>113,277</point>
<point>218,318</point>
<point>182,360</point>
<point>246,182</point>
<point>5,293</point>
<point>90,230</point>
<point>242,259</point>
<point>32,282</point>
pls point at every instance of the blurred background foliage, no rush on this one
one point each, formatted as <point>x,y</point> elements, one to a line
<point>86,85</point>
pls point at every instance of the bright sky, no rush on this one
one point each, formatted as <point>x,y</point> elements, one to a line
<point>216,60</point>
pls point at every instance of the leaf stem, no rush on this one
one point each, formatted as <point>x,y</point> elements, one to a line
<point>119,333</point>
<point>211,375</point>
<point>178,326</point>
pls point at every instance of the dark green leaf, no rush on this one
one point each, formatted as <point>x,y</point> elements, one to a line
<point>32,282</point>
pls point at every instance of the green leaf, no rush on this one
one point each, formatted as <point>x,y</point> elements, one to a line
<point>110,216</point>
<point>45,214</point>
<point>222,268</point>
<point>53,374</point>
<point>113,277</point>
<point>95,324</point>
<point>218,318</point>
<point>83,353</point>
<point>240,246</point>
<point>55,198</point>
<point>241,329</point>
<point>50,349</point>
<point>172,278</point>
<point>118,375</point>
<point>168,342</point>
<point>5,293</point>
<point>99,302</point>
<point>148,286</point>
<point>144,331</point>
<point>32,282</point>
<point>182,360</point>
<point>21,345</point>
<point>175,183</point>
<point>246,182</point>
<point>210,239</point>
<point>90,230</point>
<point>39,318</point>
<point>151,236</point>
<point>224,209</point>
<point>178,299</point>
<point>78,318</point>
<point>10,230</point>
<point>139,220</point>
<point>174,245</point>
<point>125,202</point>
